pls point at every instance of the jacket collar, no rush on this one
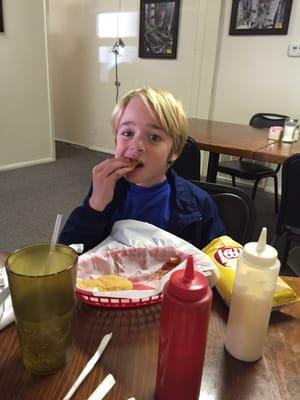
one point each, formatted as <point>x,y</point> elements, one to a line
<point>185,209</point>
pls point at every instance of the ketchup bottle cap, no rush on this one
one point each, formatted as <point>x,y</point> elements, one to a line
<point>188,284</point>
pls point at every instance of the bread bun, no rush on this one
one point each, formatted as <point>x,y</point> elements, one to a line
<point>106,283</point>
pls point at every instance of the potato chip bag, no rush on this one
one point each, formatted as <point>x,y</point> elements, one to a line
<point>224,253</point>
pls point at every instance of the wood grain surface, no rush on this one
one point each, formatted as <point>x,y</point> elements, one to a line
<point>227,138</point>
<point>131,357</point>
<point>237,140</point>
<point>277,152</point>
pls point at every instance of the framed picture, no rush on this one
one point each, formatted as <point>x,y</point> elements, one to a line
<point>1,18</point>
<point>260,17</point>
<point>158,28</point>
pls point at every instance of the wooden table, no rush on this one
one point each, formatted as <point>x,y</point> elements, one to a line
<point>131,357</point>
<point>236,140</point>
<point>277,152</point>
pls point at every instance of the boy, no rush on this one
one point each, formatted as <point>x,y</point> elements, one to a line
<point>150,131</point>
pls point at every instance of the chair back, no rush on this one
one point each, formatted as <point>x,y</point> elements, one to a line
<point>289,210</point>
<point>187,164</point>
<point>236,210</point>
<point>294,260</point>
<point>266,120</point>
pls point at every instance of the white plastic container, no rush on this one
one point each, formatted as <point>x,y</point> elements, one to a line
<point>251,303</point>
<point>296,133</point>
<point>290,130</point>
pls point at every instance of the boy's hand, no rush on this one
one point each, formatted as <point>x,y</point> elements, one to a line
<point>105,176</point>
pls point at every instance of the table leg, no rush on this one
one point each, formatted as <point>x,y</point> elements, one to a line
<point>212,167</point>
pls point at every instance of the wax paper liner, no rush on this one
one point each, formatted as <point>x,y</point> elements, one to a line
<point>137,251</point>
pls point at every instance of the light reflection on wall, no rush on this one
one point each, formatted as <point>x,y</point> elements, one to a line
<point>107,25</point>
<point>111,26</point>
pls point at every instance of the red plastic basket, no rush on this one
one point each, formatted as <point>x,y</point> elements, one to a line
<point>113,302</point>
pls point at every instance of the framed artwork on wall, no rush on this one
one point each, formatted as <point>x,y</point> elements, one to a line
<point>260,17</point>
<point>1,18</point>
<point>158,28</point>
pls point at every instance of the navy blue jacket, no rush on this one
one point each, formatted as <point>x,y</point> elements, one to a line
<point>194,216</point>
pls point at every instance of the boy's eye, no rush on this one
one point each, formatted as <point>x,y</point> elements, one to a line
<point>126,133</point>
<point>155,138</point>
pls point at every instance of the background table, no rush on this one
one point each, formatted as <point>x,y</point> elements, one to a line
<point>225,138</point>
<point>237,140</point>
<point>277,152</point>
<point>131,357</point>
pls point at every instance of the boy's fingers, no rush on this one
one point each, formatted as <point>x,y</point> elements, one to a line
<point>103,164</point>
<point>118,173</point>
<point>113,176</point>
<point>109,166</point>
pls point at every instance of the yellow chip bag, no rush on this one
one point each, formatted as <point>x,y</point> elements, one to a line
<point>224,253</point>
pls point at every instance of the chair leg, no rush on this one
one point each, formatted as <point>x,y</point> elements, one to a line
<point>285,254</point>
<point>294,260</point>
<point>233,180</point>
<point>254,189</point>
<point>276,193</point>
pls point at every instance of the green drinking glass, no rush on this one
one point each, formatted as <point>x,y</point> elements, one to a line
<point>42,285</point>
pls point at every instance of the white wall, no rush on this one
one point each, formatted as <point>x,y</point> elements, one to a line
<point>82,66</point>
<point>251,73</point>
<point>25,119</point>
<point>254,73</point>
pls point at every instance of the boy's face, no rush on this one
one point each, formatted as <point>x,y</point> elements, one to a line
<point>140,137</point>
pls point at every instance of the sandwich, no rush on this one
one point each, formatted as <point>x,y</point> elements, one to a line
<point>135,163</point>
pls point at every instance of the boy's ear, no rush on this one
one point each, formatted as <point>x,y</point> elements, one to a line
<point>173,157</point>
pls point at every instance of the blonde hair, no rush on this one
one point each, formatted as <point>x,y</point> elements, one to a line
<point>163,106</point>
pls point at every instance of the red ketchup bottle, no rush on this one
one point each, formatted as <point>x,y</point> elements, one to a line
<point>184,321</point>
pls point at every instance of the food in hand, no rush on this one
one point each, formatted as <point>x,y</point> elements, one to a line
<point>106,283</point>
<point>135,163</point>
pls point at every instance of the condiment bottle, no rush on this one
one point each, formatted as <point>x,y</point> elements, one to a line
<point>290,132</point>
<point>185,315</point>
<point>250,308</point>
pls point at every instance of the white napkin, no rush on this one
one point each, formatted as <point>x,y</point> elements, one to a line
<point>133,233</point>
<point>6,309</point>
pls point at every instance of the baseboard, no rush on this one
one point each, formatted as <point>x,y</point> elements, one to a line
<point>90,147</point>
<point>26,164</point>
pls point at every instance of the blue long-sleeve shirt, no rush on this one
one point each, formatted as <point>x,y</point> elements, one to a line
<point>193,215</point>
